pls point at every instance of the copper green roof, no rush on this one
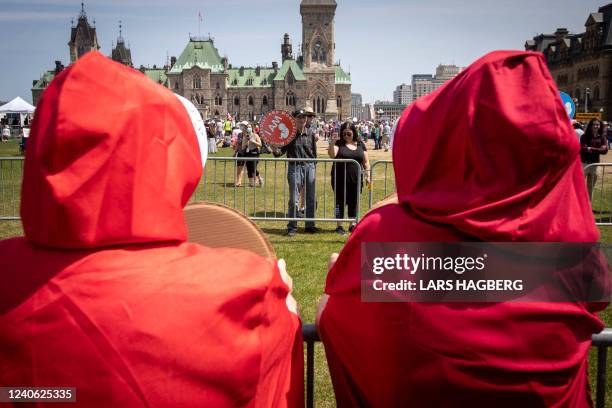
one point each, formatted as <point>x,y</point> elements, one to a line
<point>201,53</point>
<point>290,65</point>
<point>44,80</point>
<point>157,75</point>
<point>341,76</point>
<point>249,78</point>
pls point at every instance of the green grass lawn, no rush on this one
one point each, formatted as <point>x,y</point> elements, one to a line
<point>306,255</point>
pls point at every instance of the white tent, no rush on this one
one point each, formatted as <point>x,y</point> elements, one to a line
<point>17,105</point>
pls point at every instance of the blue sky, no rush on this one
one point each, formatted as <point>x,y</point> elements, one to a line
<point>382,42</point>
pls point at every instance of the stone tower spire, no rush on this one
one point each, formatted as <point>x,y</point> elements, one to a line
<point>121,53</point>
<point>318,32</point>
<point>83,37</point>
<point>286,48</point>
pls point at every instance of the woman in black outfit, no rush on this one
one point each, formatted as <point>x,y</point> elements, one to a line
<point>344,176</point>
<point>592,145</point>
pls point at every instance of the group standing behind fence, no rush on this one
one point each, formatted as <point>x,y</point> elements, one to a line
<point>346,177</point>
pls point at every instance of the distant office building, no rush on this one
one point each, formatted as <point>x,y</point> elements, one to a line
<point>389,111</point>
<point>422,84</point>
<point>403,94</point>
<point>445,73</point>
<point>357,109</point>
<point>581,64</point>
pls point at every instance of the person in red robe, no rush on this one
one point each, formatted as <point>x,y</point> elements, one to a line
<point>490,156</point>
<point>103,293</point>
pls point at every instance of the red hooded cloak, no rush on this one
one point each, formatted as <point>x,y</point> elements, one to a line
<point>490,156</point>
<point>103,293</point>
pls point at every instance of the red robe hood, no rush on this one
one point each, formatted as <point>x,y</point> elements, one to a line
<point>131,316</point>
<point>82,187</point>
<point>456,153</point>
<point>489,156</point>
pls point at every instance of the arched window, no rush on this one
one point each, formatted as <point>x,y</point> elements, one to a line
<point>339,101</point>
<point>197,82</point>
<point>319,54</point>
<point>251,101</point>
<point>216,113</point>
<point>290,99</point>
<point>236,101</point>
<point>596,94</point>
<point>264,101</point>
<point>218,100</point>
<point>217,86</point>
<point>176,86</point>
<point>318,104</point>
<point>290,79</point>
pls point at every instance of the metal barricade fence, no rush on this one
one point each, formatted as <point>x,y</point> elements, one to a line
<point>11,174</point>
<point>381,185</point>
<point>598,179</point>
<point>270,202</point>
<point>601,341</point>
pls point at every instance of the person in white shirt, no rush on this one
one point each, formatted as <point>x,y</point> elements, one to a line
<point>578,128</point>
<point>386,133</point>
<point>6,133</point>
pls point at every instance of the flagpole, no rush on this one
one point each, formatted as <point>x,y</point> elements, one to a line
<point>200,24</point>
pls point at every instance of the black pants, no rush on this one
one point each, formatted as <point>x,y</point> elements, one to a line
<point>251,165</point>
<point>345,197</point>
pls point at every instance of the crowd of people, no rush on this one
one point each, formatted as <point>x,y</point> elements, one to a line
<point>14,127</point>
<point>105,294</point>
<point>224,133</point>
<point>345,140</point>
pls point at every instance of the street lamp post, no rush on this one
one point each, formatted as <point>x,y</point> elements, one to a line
<point>587,92</point>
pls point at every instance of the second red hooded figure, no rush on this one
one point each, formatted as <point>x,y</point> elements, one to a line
<point>491,156</point>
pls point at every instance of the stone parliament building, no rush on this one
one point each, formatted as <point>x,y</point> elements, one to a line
<point>581,64</point>
<point>216,88</point>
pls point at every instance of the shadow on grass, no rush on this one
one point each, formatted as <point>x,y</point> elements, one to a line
<point>602,215</point>
<point>275,231</point>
